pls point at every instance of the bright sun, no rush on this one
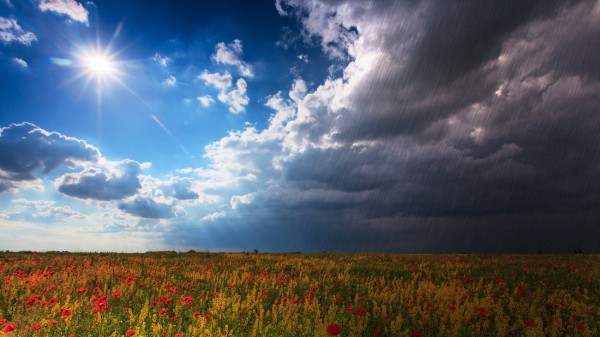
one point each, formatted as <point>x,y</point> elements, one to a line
<point>98,64</point>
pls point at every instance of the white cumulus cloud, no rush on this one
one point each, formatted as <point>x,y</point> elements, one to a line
<point>219,81</point>
<point>70,8</point>
<point>214,216</point>
<point>206,100</point>
<point>231,54</point>
<point>171,81</point>
<point>10,31</point>
<point>236,99</point>
<point>303,58</point>
<point>162,60</point>
<point>21,62</point>
<point>238,200</point>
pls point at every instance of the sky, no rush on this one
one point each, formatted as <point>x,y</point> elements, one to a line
<point>292,125</point>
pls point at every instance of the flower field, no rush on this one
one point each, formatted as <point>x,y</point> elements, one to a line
<point>201,294</point>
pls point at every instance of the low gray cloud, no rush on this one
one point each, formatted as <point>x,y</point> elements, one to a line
<point>28,152</point>
<point>147,208</point>
<point>5,186</point>
<point>181,189</point>
<point>113,181</point>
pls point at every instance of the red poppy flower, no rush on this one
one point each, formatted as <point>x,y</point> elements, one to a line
<point>117,294</point>
<point>162,311</point>
<point>207,316</point>
<point>130,332</point>
<point>529,322</point>
<point>32,299</point>
<point>179,334</point>
<point>416,334</point>
<point>9,327</point>
<point>2,321</point>
<point>378,331</point>
<point>481,312</point>
<point>187,299</point>
<point>196,314</point>
<point>359,311</point>
<point>334,329</point>
<point>36,327</point>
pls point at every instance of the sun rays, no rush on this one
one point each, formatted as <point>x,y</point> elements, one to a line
<point>100,65</point>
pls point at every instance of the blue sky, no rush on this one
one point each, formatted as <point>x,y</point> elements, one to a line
<point>299,125</point>
<point>158,61</point>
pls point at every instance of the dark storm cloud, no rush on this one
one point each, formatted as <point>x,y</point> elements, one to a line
<point>109,183</point>
<point>345,169</point>
<point>459,37</point>
<point>146,208</point>
<point>458,126</point>
<point>475,108</point>
<point>5,186</point>
<point>438,61</point>
<point>423,181</point>
<point>528,233</point>
<point>27,151</point>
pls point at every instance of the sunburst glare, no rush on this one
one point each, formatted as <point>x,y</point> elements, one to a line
<point>103,66</point>
<point>98,64</point>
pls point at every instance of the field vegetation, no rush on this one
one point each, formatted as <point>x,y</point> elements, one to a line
<point>245,294</point>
